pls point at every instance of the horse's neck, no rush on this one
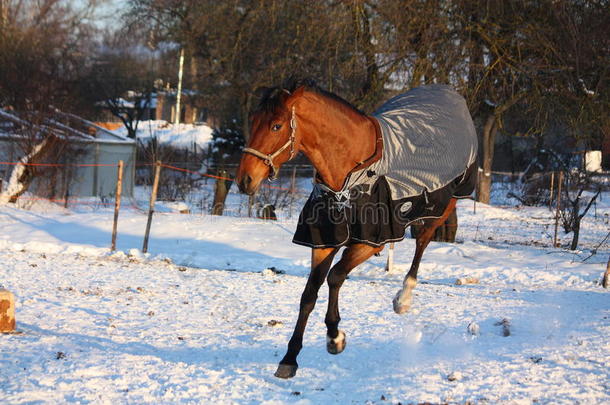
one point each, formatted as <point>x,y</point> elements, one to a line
<point>336,139</point>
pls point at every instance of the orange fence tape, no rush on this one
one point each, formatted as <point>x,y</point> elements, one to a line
<point>222,178</point>
<point>140,165</point>
<point>59,164</point>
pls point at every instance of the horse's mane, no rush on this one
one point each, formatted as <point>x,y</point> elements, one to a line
<point>271,99</point>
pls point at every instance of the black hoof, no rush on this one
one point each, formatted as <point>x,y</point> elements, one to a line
<point>336,345</point>
<point>286,370</point>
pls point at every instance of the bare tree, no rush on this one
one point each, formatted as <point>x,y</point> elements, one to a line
<point>121,81</point>
<point>577,202</point>
<point>42,47</point>
<point>40,138</point>
<point>503,56</point>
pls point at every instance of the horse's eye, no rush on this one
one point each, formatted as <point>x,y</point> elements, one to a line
<point>276,127</point>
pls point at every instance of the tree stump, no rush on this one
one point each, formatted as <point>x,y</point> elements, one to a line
<point>7,311</point>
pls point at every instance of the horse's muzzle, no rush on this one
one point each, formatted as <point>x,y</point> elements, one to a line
<point>245,185</point>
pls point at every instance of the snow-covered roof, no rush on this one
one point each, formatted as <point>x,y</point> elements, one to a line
<point>100,134</point>
<point>176,135</point>
<point>64,125</point>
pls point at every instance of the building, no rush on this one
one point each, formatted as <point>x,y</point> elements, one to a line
<point>88,167</point>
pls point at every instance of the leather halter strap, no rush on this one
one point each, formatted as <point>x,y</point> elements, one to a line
<point>268,158</point>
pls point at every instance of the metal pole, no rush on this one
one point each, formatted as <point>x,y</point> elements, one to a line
<point>179,95</point>
<point>151,209</point>
<point>117,204</point>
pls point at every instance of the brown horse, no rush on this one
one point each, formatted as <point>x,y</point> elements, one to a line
<point>339,140</point>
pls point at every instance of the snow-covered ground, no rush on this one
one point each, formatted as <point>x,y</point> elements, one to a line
<point>199,320</point>
<point>177,135</point>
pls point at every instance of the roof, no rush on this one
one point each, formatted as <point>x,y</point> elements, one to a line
<point>62,125</point>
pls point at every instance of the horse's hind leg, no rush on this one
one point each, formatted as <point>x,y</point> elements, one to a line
<point>352,256</point>
<point>321,259</point>
<point>402,301</point>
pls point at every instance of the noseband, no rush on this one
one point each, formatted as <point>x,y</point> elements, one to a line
<point>268,158</point>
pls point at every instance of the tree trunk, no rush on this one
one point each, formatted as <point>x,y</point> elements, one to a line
<point>576,233</point>
<point>575,218</point>
<point>371,86</point>
<point>220,193</point>
<point>194,70</point>
<point>489,135</point>
<point>246,103</point>
<point>23,174</point>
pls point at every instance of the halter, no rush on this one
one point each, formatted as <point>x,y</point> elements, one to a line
<point>268,158</point>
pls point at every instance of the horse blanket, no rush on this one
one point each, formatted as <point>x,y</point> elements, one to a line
<point>429,148</point>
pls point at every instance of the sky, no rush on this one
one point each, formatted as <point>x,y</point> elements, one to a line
<point>108,13</point>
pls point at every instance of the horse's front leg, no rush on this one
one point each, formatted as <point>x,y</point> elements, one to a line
<point>402,300</point>
<point>321,259</point>
<point>352,256</point>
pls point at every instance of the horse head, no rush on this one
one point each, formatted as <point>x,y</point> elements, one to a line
<point>273,140</point>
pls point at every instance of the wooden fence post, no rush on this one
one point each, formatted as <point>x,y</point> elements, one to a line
<point>560,181</point>
<point>390,263</point>
<point>117,204</point>
<point>151,209</point>
<point>67,177</point>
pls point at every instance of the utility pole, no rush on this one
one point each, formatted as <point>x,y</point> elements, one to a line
<point>3,12</point>
<point>179,95</point>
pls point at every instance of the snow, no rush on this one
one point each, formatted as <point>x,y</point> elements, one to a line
<point>206,315</point>
<point>177,135</point>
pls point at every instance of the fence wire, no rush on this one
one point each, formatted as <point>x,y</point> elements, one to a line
<point>506,222</point>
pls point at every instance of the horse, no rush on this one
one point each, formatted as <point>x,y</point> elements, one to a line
<point>359,201</point>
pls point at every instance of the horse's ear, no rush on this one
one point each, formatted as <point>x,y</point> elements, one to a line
<point>292,99</point>
<point>299,91</point>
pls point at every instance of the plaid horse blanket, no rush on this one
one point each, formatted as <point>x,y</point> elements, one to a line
<point>429,148</point>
